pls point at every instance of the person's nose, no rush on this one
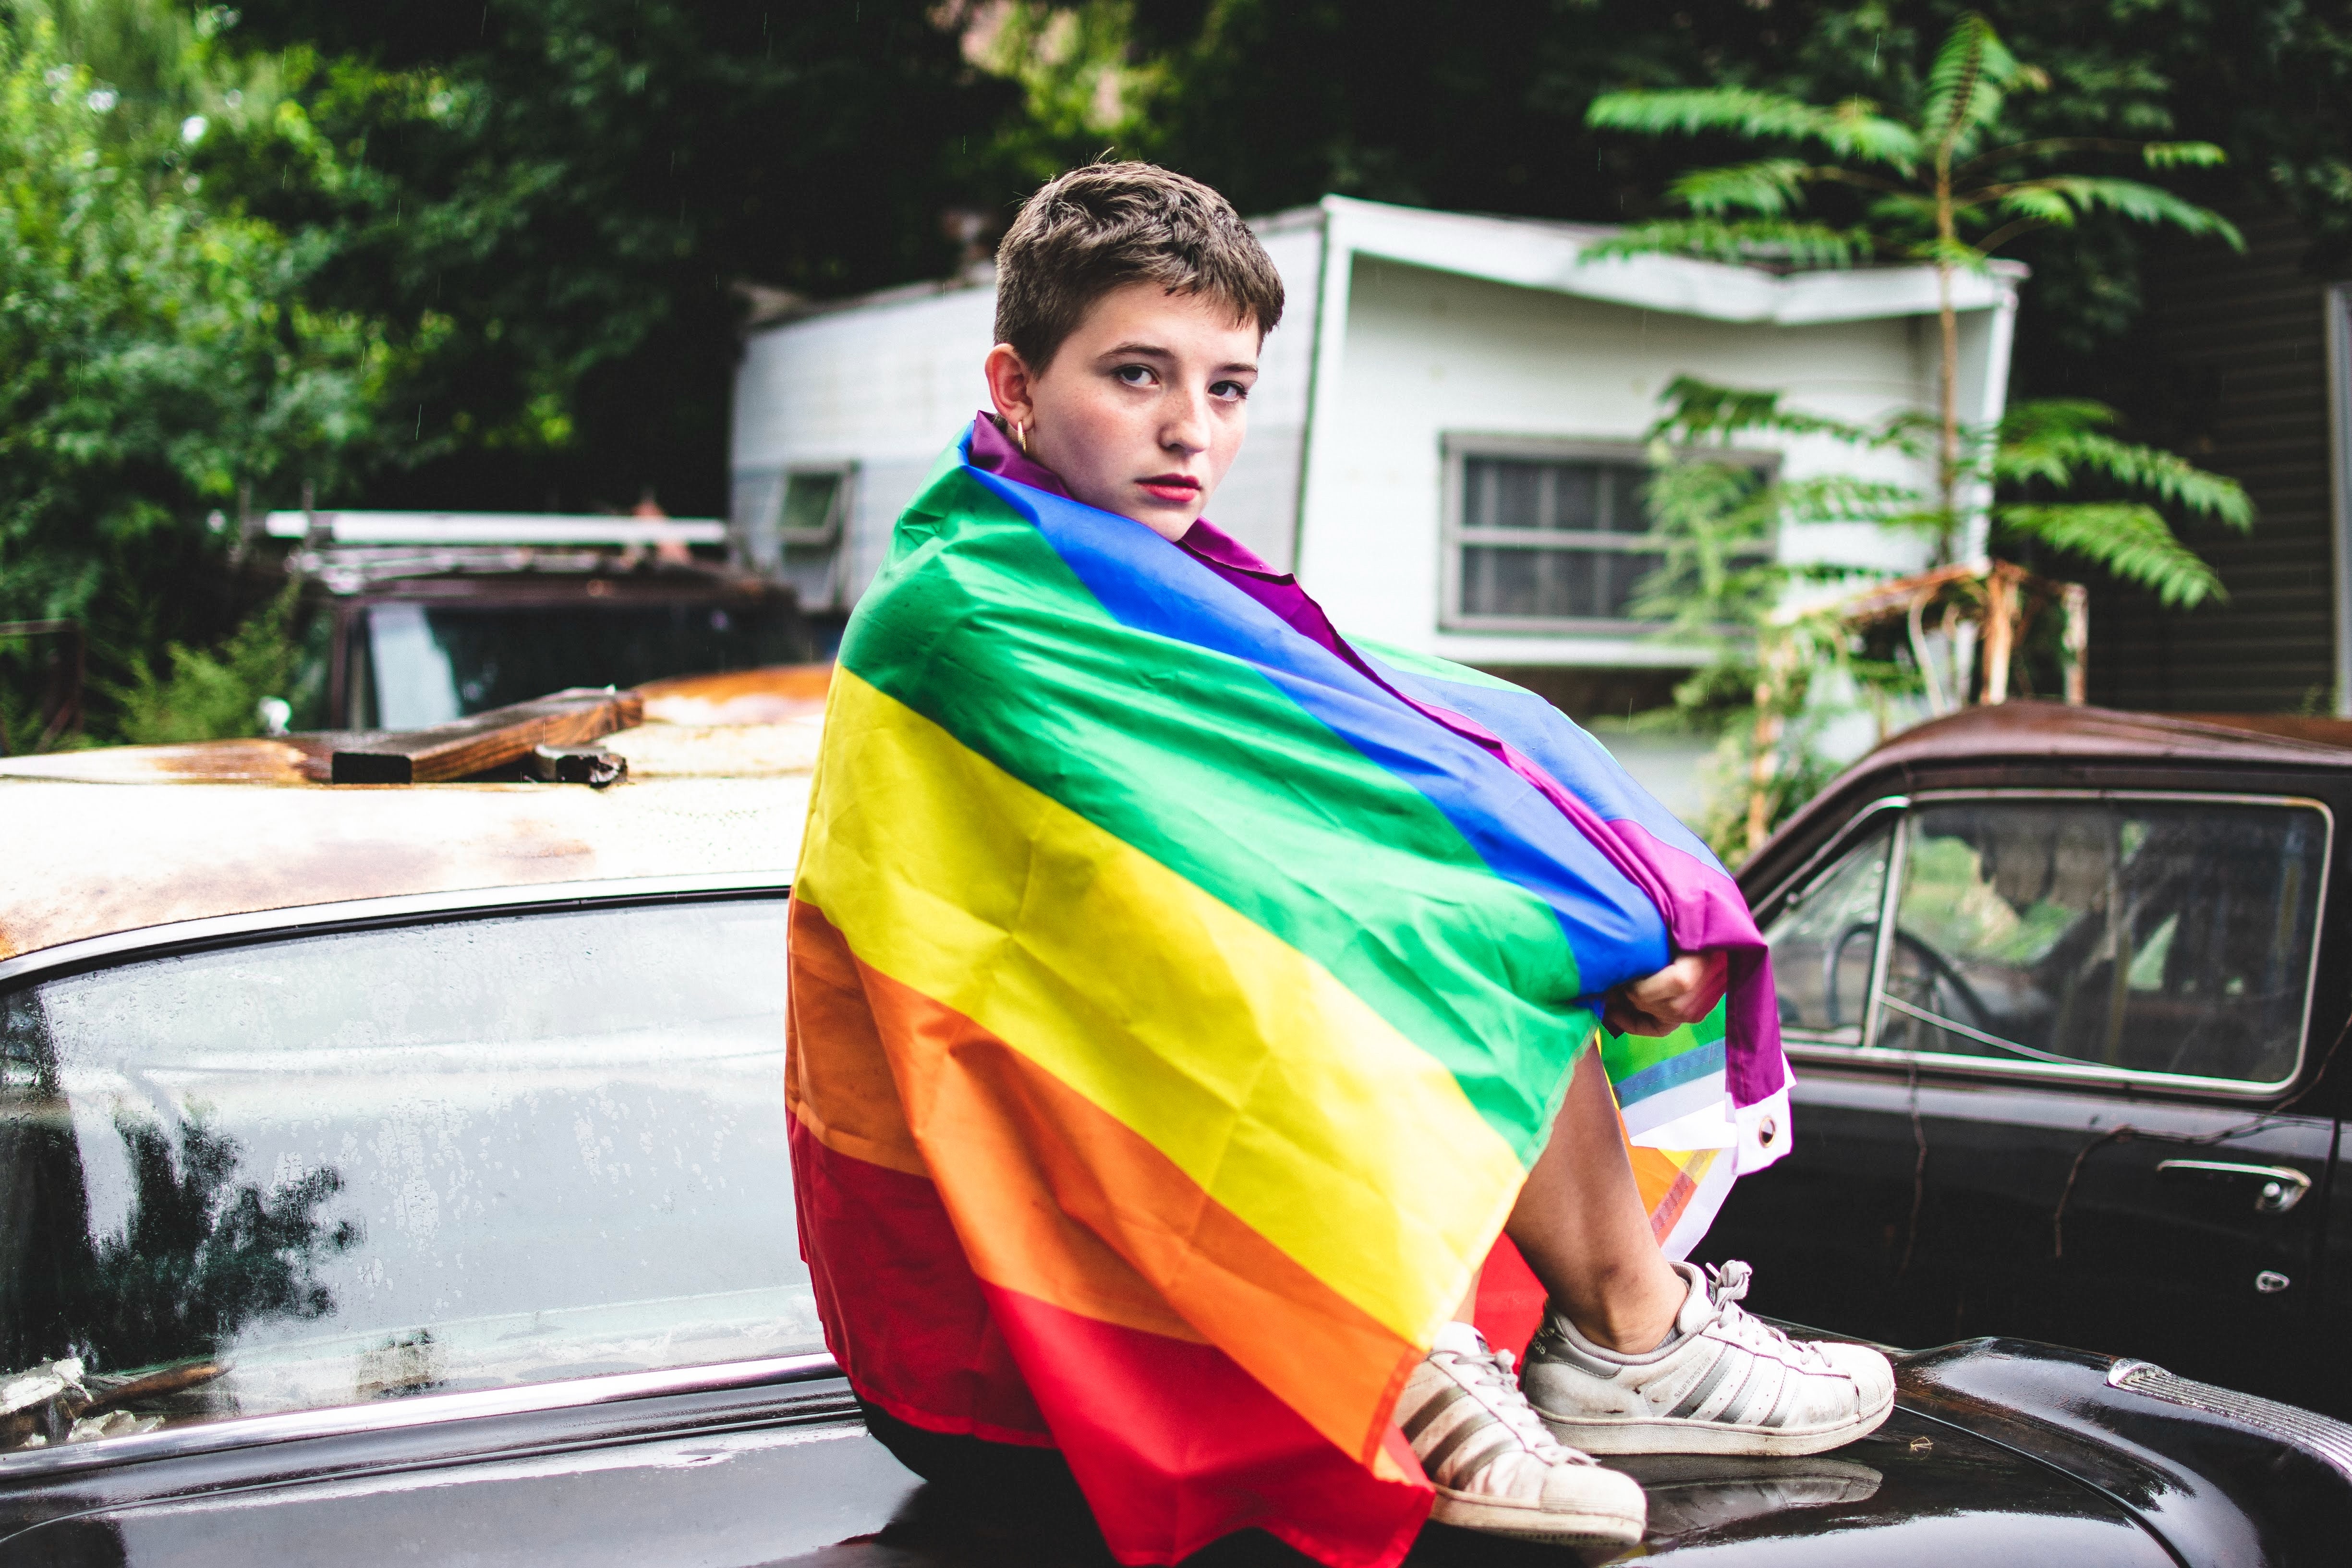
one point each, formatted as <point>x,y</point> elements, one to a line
<point>1186,431</point>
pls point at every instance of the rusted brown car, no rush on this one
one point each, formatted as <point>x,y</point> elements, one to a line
<point>417,618</point>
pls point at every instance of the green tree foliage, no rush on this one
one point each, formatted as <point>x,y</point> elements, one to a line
<point>2037,447</point>
<point>1785,661</point>
<point>439,255</point>
<point>547,203</point>
<point>1481,106</point>
<point>1083,88</point>
<point>1780,657</point>
<point>202,694</point>
<point>157,355</point>
<point>2052,444</point>
<point>1945,181</point>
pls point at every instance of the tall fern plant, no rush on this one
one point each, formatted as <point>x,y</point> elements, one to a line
<point>1777,633</point>
<point>1939,182</point>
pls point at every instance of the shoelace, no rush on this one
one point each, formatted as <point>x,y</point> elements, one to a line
<point>1726,1285</point>
<point>1493,1371</point>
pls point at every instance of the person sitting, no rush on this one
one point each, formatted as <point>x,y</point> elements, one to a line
<point>1132,304</point>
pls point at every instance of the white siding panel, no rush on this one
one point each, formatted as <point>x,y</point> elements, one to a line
<point>1258,502</point>
<point>1428,353</point>
<point>890,379</point>
<point>885,387</point>
<point>888,384</point>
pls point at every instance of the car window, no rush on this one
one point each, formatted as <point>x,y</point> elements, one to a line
<point>1825,940</point>
<point>355,1166</point>
<point>2158,936</point>
<point>421,665</point>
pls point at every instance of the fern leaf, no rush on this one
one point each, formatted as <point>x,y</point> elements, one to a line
<point>1967,85</point>
<point>2128,198</point>
<point>1700,410</point>
<point>2039,204</point>
<point>1898,209</point>
<point>1851,130</point>
<point>2183,154</point>
<point>2052,440</point>
<point>1845,498</point>
<point>1768,188</point>
<point>2130,540</point>
<point>1796,244</point>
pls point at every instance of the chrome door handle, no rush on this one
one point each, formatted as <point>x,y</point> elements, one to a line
<point>2283,1186</point>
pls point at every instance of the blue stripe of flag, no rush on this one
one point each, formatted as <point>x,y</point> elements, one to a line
<point>1615,930</point>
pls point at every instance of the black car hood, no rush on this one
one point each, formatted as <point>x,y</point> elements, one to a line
<point>734,1484</point>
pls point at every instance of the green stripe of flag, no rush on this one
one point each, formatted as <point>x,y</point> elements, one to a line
<point>1001,644</point>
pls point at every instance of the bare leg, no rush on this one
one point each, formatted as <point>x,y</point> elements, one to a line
<point>1580,1225</point>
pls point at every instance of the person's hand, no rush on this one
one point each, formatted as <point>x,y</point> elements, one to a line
<point>1684,991</point>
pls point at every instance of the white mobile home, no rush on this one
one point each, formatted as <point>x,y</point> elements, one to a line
<point>1445,439</point>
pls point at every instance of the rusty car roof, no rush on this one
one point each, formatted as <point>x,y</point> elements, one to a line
<point>118,838</point>
<point>2031,731</point>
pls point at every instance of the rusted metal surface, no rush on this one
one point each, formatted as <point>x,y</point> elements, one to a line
<point>113,839</point>
<point>294,760</point>
<point>442,751</point>
<point>2292,726</point>
<point>2027,731</point>
<point>88,859</point>
<point>2035,728</point>
<point>777,694</point>
<point>745,723</point>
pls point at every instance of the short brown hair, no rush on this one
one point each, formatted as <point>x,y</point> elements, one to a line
<point>1106,225</point>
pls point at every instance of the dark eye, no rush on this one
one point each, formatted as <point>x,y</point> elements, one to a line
<point>1134,375</point>
<point>1229,391</point>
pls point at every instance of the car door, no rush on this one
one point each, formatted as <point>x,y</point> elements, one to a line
<point>1826,1227</point>
<point>2057,1113</point>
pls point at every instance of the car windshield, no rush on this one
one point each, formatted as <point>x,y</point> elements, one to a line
<point>353,1166</point>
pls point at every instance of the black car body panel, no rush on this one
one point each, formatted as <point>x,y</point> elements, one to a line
<point>1996,1446</point>
<point>1928,1198</point>
<point>787,1473</point>
<point>733,1477</point>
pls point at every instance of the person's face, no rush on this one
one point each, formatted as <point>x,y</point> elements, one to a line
<point>1144,405</point>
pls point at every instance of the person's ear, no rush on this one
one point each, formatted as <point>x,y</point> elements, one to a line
<point>1009,385</point>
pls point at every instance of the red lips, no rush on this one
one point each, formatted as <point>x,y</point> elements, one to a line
<point>1171,486</point>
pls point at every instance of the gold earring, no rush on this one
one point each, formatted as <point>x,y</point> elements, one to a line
<point>1021,437</point>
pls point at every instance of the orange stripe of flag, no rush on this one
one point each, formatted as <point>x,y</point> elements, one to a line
<point>1058,1199</point>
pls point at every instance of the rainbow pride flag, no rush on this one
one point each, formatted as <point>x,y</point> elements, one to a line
<point>1176,1012</point>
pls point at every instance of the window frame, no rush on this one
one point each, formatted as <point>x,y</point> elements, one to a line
<point>756,519</point>
<point>836,515</point>
<point>1456,448</point>
<point>1861,825</point>
<point>1870,1053</point>
<point>92,955</point>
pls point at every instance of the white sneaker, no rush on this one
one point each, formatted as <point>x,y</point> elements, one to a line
<point>1495,1467</point>
<point>1726,1384</point>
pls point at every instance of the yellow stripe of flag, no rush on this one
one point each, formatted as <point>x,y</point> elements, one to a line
<point>1290,1101</point>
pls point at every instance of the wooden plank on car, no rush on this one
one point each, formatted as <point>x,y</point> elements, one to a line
<point>440,752</point>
